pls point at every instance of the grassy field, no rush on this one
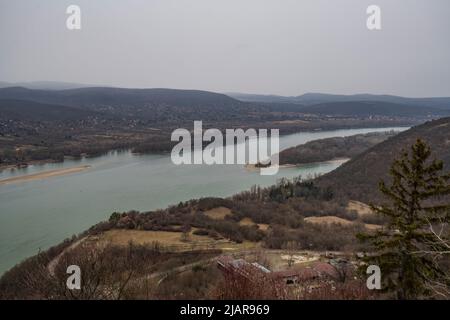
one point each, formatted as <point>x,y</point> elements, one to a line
<point>218,213</point>
<point>336,220</point>
<point>173,241</point>
<point>249,222</point>
<point>328,220</point>
<point>361,208</point>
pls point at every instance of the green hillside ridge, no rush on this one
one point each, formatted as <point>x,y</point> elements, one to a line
<point>332,148</point>
<point>358,178</point>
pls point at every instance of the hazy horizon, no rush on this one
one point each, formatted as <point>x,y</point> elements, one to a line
<point>264,47</point>
<point>86,85</point>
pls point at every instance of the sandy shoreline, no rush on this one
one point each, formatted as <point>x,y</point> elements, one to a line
<point>44,175</point>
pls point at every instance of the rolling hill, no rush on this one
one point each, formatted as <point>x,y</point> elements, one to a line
<point>372,108</point>
<point>332,148</point>
<point>141,119</point>
<point>89,97</point>
<point>19,110</point>
<point>172,105</point>
<point>319,98</point>
<point>143,104</point>
<point>45,85</point>
<point>358,179</point>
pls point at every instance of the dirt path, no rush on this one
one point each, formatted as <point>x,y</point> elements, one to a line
<point>53,263</point>
<point>162,275</point>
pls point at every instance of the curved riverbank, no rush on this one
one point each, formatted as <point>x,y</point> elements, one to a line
<point>38,214</point>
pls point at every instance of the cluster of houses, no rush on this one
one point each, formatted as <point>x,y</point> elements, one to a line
<point>313,272</point>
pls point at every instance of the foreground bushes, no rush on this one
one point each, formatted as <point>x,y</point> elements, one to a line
<point>283,207</point>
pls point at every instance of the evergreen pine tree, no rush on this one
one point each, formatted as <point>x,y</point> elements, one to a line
<point>407,249</point>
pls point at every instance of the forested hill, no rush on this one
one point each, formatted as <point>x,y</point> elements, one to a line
<point>358,179</point>
<point>332,148</point>
<point>319,98</point>
<point>135,103</point>
<point>119,96</point>
<point>372,108</point>
<point>156,105</point>
<point>19,110</point>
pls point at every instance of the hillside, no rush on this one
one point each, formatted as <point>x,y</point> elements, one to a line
<point>319,98</point>
<point>332,148</point>
<point>270,222</point>
<point>45,85</point>
<point>19,110</point>
<point>175,105</point>
<point>149,104</point>
<point>358,179</point>
<point>372,108</point>
<point>116,96</point>
<point>98,119</point>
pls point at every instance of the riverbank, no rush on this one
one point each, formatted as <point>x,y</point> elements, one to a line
<point>253,167</point>
<point>43,175</point>
<point>136,143</point>
<point>36,216</point>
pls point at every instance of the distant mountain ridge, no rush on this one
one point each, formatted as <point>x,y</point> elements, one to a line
<point>318,98</point>
<point>161,104</point>
<point>150,104</point>
<point>45,85</point>
<point>106,95</point>
<point>19,110</point>
<point>373,108</point>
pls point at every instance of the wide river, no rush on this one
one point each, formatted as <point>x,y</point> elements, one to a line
<point>37,214</point>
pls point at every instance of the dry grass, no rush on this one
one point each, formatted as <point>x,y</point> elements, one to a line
<point>328,220</point>
<point>372,227</point>
<point>246,222</point>
<point>361,208</point>
<point>336,220</point>
<point>171,240</point>
<point>249,222</point>
<point>218,213</point>
<point>123,237</point>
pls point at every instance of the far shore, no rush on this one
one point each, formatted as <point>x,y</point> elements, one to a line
<point>253,167</point>
<point>43,175</point>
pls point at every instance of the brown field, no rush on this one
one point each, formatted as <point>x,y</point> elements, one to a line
<point>171,240</point>
<point>361,208</point>
<point>328,220</point>
<point>246,222</point>
<point>372,227</point>
<point>249,222</point>
<point>218,213</point>
<point>341,221</point>
<point>263,226</point>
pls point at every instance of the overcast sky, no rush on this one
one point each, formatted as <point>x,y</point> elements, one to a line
<point>286,47</point>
